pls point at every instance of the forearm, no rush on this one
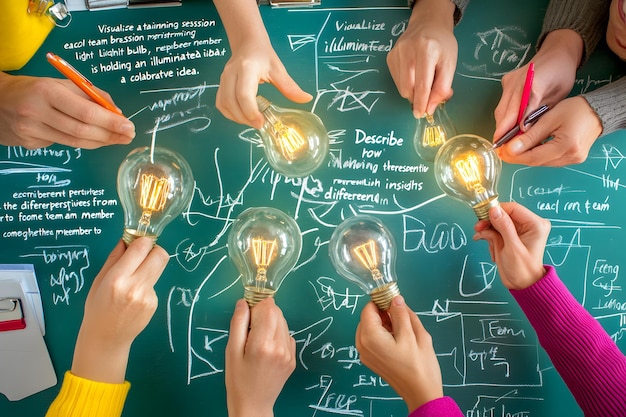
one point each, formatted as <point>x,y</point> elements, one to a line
<point>585,356</point>
<point>97,361</point>
<point>242,21</point>
<point>587,18</point>
<point>457,11</point>
<point>610,105</point>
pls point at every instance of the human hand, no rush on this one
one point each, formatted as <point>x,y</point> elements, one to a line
<point>36,112</point>
<point>423,60</point>
<point>119,306</point>
<point>517,240</point>
<point>260,357</point>
<point>573,125</point>
<point>252,63</point>
<point>403,355</point>
<point>555,63</point>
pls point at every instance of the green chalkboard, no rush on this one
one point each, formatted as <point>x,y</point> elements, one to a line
<point>491,361</point>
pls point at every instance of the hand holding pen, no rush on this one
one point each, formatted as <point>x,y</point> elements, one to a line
<point>562,137</point>
<point>36,112</point>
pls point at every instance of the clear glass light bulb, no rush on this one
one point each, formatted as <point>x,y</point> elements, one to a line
<point>264,244</point>
<point>363,251</point>
<point>154,186</point>
<point>467,168</point>
<point>296,142</point>
<point>431,132</point>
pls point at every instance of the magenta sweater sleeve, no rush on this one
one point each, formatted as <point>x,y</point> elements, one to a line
<point>441,407</point>
<point>585,356</point>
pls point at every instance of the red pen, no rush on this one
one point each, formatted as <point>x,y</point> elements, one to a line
<point>81,81</point>
<point>530,74</point>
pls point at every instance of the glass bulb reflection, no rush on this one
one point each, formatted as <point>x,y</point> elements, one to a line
<point>296,142</point>
<point>264,244</point>
<point>154,187</point>
<point>363,251</point>
<point>431,132</point>
<point>468,169</point>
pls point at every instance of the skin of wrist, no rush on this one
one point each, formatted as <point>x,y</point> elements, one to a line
<point>434,9</point>
<point>564,42</point>
<point>99,361</point>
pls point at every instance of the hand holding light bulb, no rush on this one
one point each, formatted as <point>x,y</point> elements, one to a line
<point>296,142</point>
<point>431,132</point>
<point>264,244</point>
<point>154,185</point>
<point>468,169</point>
<point>363,251</point>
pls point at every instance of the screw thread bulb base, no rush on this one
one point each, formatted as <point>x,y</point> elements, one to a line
<point>130,235</point>
<point>482,209</point>
<point>382,296</point>
<point>254,296</point>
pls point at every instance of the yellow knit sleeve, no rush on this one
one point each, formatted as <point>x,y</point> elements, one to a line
<point>21,34</point>
<point>81,397</point>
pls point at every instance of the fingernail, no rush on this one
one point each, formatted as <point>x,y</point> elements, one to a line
<point>495,213</point>
<point>128,128</point>
<point>241,303</point>
<point>516,146</point>
<point>398,300</point>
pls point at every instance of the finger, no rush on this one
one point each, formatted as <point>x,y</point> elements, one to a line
<point>442,87</point>
<point>400,319</point>
<point>281,79</point>
<point>153,266</point>
<point>246,91</point>
<point>239,325</point>
<point>521,216</point>
<point>92,121</point>
<point>501,222</point>
<point>134,255</point>
<point>538,133</point>
<point>424,76</point>
<point>226,100</point>
<point>112,259</point>
<point>481,225</point>
<point>265,316</point>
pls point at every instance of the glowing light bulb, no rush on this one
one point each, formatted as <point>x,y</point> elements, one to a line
<point>296,142</point>
<point>363,251</point>
<point>264,244</point>
<point>467,168</point>
<point>154,186</point>
<point>431,132</point>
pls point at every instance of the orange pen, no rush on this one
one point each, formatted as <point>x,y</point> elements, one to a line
<point>81,81</point>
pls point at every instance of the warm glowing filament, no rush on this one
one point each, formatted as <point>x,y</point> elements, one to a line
<point>290,143</point>
<point>470,172</point>
<point>368,256</point>
<point>434,136</point>
<point>263,252</point>
<point>154,192</point>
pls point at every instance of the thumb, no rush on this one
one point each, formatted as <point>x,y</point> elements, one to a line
<point>536,134</point>
<point>289,88</point>
<point>239,324</point>
<point>400,319</point>
<point>501,221</point>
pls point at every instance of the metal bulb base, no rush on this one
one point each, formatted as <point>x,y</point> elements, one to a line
<point>482,209</point>
<point>254,296</point>
<point>382,296</point>
<point>130,235</point>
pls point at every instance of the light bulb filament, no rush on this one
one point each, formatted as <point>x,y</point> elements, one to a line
<point>263,252</point>
<point>469,170</point>
<point>290,143</point>
<point>434,136</point>
<point>154,192</point>
<point>368,256</point>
